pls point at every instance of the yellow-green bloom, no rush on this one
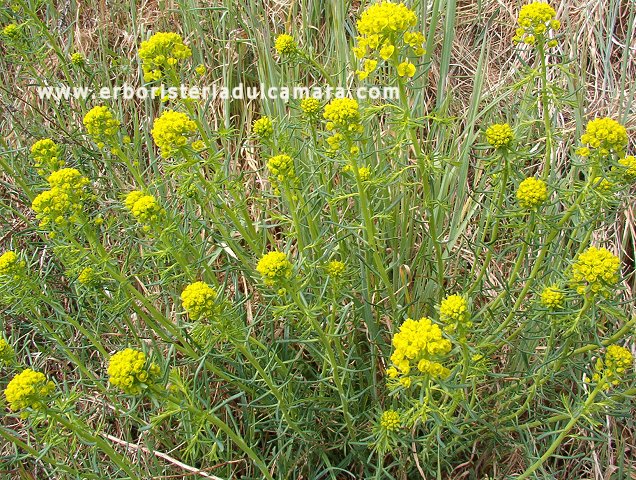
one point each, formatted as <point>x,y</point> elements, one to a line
<point>537,23</point>
<point>161,53</point>
<point>453,312</point>
<point>386,18</point>
<point>343,114</point>
<point>130,370</point>
<point>46,154</point>
<point>627,169</point>
<point>311,107</point>
<point>390,420</point>
<point>88,277</point>
<point>11,265</point>
<point>199,300</point>
<point>499,135</point>
<point>606,135</point>
<point>263,127</point>
<point>172,131</point>
<point>285,45</point>
<point>618,360</point>
<point>552,297</point>
<point>78,59</point>
<point>335,269</point>
<point>419,340</point>
<point>281,169</point>
<point>275,268</point>
<point>596,270</point>
<point>28,389</point>
<point>143,207</point>
<point>63,202</point>
<point>11,31</point>
<point>532,192</point>
<point>406,69</point>
<point>6,352</point>
<point>100,122</point>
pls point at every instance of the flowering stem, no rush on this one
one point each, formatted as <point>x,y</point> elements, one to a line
<point>557,442</point>
<point>83,431</point>
<point>221,425</point>
<point>545,111</point>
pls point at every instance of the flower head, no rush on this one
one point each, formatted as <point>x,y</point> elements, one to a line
<point>78,59</point>
<point>199,300</point>
<point>100,122</point>
<point>161,53</point>
<point>390,420</point>
<point>537,23</point>
<point>419,343</point>
<point>335,269</point>
<point>172,131</point>
<point>6,352</point>
<point>618,360</point>
<point>311,107</point>
<point>275,268</point>
<point>263,127</point>
<point>63,202</point>
<point>406,69</point>
<point>88,277</point>
<point>453,312</point>
<point>46,154</point>
<point>596,270</point>
<point>386,18</point>
<point>11,265</point>
<point>28,389</point>
<point>343,114</point>
<point>11,31</point>
<point>285,45</point>
<point>499,135</point>
<point>606,135</point>
<point>627,169</point>
<point>532,192</point>
<point>281,169</point>
<point>130,370</point>
<point>552,297</point>
<point>143,207</point>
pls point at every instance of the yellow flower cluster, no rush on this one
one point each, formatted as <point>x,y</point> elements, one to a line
<point>390,420</point>
<point>63,202</point>
<point>343,114</point>
<point>199,300</point>
<point>263,127</point>
<point>419,343</point>
<point>552,297</point>
<point>6,352</point>
<point>606,135</point>
<point>595,269</point>
<point>11,31</point>
<point>453,312</point>
<point>281,169</point>
<point>384,34</point>
<point>532,192</point>
<point>88,277</point>
<point>311,107</point>
<point>537,24</point>
<point>130,371</point>
<point>100,122</point>
<point>335,269</point>
<point>499,135</point>
<point>171,132</point>
<point>11,265</point>
<point>28,389</point>
<point>78,59</point>
<point>618,360</point>
<point>161,53</point>
<point>143,207</point>
<point>285,45</point>
<point>275,268</point>
<point>46,154</point>
<point>628,169</point>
